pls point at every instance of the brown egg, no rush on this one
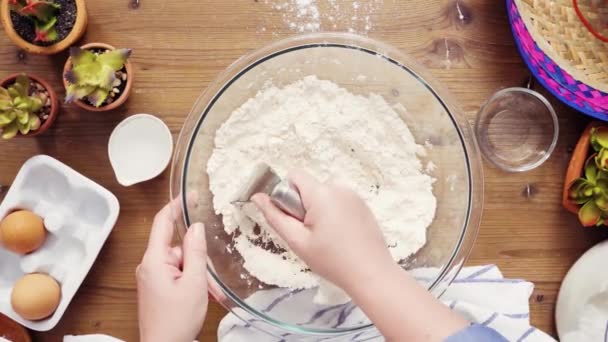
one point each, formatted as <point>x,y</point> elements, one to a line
<point>22,232</point>
<point>35,296</point>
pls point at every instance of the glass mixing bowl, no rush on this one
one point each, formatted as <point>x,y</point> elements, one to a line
<point>362,66</point>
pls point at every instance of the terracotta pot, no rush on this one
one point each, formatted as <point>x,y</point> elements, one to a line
<point>80,26</point>
<point>118,101</point>
<point>54,103</point>
<point>576,165</point>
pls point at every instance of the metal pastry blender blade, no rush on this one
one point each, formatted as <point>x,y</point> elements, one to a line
<point>283,193</point>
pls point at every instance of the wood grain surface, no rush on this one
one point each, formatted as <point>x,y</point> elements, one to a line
<point>180,47</point>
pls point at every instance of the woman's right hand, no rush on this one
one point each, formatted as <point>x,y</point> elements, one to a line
<point>339,239</point>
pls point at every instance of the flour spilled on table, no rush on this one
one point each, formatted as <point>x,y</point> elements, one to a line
<point>318,126</point>
<point>326,15</point>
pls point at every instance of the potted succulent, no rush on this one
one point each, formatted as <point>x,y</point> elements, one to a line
<point>586,184</point>
<point>98,77</point>
<point>28,106</point>
<point>44,26</point>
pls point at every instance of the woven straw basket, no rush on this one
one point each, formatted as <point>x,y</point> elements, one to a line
<point>560,33</point>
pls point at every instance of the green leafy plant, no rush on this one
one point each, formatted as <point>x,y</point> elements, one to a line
<point>93,74</point>
<point>44,15</point>
<point>591,191</point>
<point>18,109</point>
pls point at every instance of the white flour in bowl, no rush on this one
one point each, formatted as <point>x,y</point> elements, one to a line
<point>334,134</point>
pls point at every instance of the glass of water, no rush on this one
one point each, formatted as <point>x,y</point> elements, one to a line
<point>517,129</point>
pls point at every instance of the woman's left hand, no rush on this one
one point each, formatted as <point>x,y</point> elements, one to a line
<point>172,282</point>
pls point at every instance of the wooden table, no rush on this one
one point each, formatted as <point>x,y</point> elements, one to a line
<point>179,47</point>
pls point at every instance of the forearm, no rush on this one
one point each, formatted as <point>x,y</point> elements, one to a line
<point>402,309</point>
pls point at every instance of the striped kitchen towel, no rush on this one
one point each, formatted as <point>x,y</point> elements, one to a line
<point>481,294</point>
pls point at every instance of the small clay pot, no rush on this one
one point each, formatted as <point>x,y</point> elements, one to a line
<point>577,164</point>
<point>119,100</point>
<point>46,124</point>
<point>80,26</point>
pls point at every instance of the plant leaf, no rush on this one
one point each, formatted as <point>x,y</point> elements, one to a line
<point>45,31</point>
<point>34,122</point>
<point>591,170</point>
<point>78,92</point>
<point>601,159</point>
<point>23,117</point>
<point>85,74</point>
<point>46,25</point>
<point>41,9</point>
<point>5,105</point>
<point>24,128</point>
<point>593,140</point>
<point>52,35</point>
<point>603,184</point>
<point>13,92</point>
<point>589,214</point>
<point>35,104</point>
<point>70,76</point>
<point>22,104</point>
<point>4,95</point>
<point>80,56</point>
<point>10,131</point>
<point>115,59</point>
<point>588,190</point>
<point>92,75</point>
<point>6,118</point>
<point>23,85</point>
<point>106,78</point>
<point>581,200</point>
<point>98,97</point>
<point>602,202</point>
<point>600,135</point>
<point>575,188</point>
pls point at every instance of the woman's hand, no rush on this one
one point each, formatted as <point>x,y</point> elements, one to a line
<point>339,239</point>
<point>172,282</point>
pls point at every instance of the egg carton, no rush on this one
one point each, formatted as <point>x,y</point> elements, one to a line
<point>78,214</point>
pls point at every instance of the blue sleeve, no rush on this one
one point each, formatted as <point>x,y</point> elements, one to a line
<point>475,333</point>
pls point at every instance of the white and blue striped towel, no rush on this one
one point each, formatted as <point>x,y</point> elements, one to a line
<point>481,294</point>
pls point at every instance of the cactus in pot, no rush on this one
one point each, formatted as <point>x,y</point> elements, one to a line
<point>43,13</point>
<point>19,108</point>
<point>44,27</point>
<point>590,192</point>
<point>94,76</point>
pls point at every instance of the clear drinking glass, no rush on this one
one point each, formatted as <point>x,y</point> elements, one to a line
<point>362,66</point>
<point>517,129</point>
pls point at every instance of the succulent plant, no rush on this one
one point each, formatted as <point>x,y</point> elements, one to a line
<point>44,15</point>
<point>93,74</point>
<point>599,142</point>
<point>18,109</point>
<point>591,191</point>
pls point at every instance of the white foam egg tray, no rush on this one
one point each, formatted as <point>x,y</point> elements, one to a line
<point>78,214</point>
